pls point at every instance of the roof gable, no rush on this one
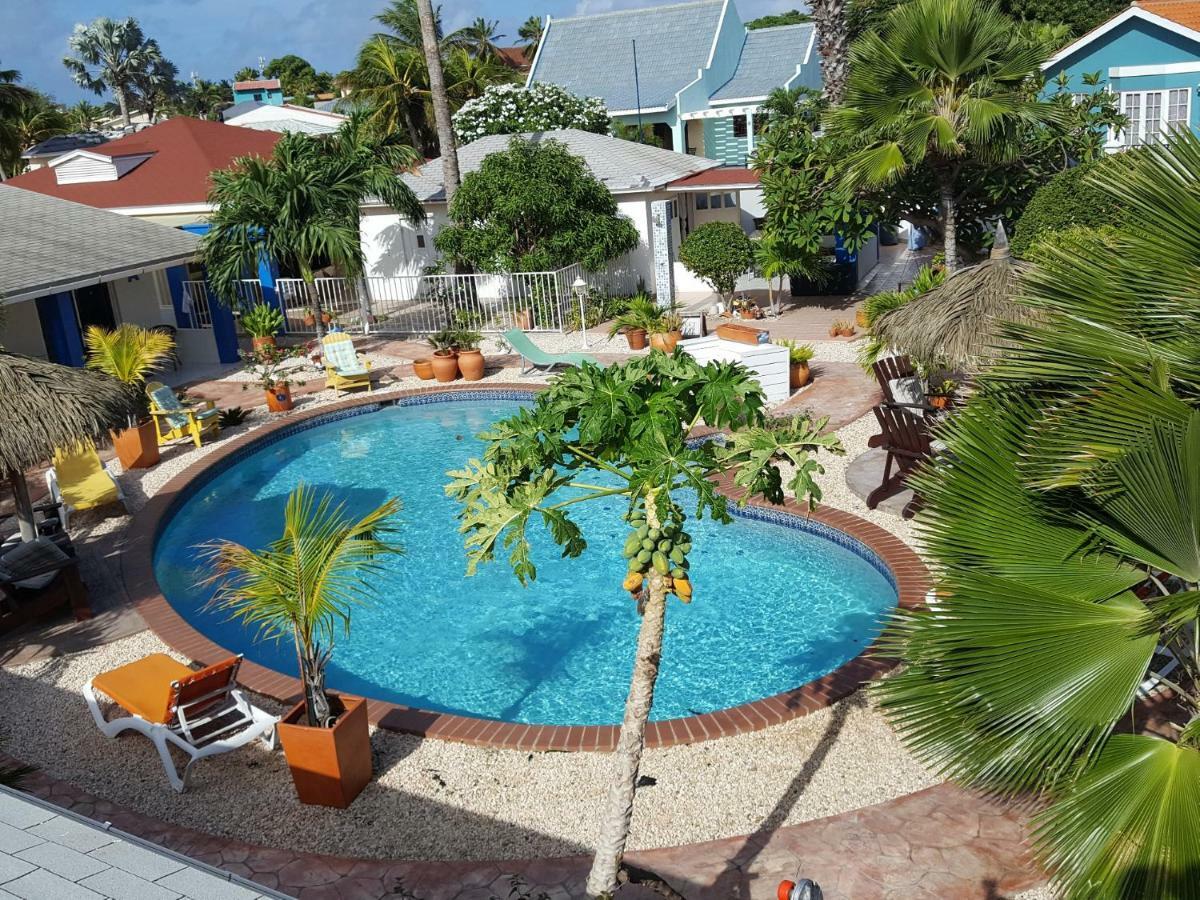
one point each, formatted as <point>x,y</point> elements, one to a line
<point>1135,18</point>
<point>592,56</point>
<point>768,61</point>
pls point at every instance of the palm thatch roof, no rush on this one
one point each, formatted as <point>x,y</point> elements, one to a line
<point>45,406</point>
<point>957,324</point>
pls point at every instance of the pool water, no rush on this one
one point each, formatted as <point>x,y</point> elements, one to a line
<point>774,608</point>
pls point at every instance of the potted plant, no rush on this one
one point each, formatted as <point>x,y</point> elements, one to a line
<point>799,356</point>
<point>667,331</point>
<point>308,317</point>
<point>470,357</point>
<point>326,317</point>
<point>639,318</point>
<point>423,368</point>
<point>841,328</point>
<point>301,589</point>
<point>942,395</point>
<point>444,362</point>
<point>268,367</point>
<point>261,322</point>
<point>129,354</point>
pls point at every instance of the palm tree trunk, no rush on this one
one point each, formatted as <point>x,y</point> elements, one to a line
<point>441,105</point>
<point>314,300</point>
<point>618,810</point>
<point>949,223</point>
<point>123,102</point>
<point>829,16</point>
<point>410,123</point>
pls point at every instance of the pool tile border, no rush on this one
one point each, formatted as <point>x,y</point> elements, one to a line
<point>894,558</point>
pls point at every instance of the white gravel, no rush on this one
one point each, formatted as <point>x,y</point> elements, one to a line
<point>444,800</point>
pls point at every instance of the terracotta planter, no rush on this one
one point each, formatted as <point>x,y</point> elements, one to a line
<point>800,375</point>
<point>939,401</point>
<point>848,331</point>
<point>524,319</point>
<point>445,365</point>
<point>665,342</point>
<point>470,364</point>
<point>137,448</point>
<point>326,318</point>
<point>860,318</point>
<point>310,321</point>
<point>279,399</point>
<point>330,766</point>
<point>259,343</point>
<point>636,338</point>
<point>423,368</point>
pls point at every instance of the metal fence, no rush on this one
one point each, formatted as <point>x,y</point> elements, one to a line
<point>197,304</point>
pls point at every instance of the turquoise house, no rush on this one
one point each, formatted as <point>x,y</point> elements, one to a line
<point>698,77</point>
<point>1149,56</point>
<point>262,90</point>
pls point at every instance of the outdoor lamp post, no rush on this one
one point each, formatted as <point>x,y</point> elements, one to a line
<point>579,286</point>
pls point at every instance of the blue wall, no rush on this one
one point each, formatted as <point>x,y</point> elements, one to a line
<point>273,97</point>
<point>60,328</point>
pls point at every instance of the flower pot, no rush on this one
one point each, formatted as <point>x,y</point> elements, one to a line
<point>524,319</point>
<point>310,321</point>
<point>423,368</point>
<point>848,331</point>
<point>470,363</point>
<point>939,401</point>
<point>330,766</point>
<point>279,398</point>
<point>636,338</point>
<point>666,341</point>
<point>137,448</point>
<point>326,318</point>
<point>799,375</point>
<point>860,318</point>
<point>445,365</point>
<point>260,343</point>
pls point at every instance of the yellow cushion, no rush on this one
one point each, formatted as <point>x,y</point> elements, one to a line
<point>82,479</point>
<point>144,687</point>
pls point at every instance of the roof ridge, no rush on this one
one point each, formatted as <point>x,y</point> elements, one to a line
<point>641,9</point>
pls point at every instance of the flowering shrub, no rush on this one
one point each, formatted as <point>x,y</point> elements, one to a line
<point>513,109</point>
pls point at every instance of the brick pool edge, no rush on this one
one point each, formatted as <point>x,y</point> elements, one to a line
<point>137,571</point>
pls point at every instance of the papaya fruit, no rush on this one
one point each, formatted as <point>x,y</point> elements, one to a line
<point>659,561</point>
<point>633,581</point>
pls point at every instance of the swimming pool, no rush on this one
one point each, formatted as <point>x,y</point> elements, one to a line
<point>779,601</point>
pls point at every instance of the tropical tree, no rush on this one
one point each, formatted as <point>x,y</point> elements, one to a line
<point>833,43</point>
<point>1065,534</point>
<point>12,92</point>
<point>26,123</point>
<point>718,253</point>
<point>402,20</point>
<point>303,586</point>
<point>247,73</point>
<point>620,436</point>
<point>203,99</point>
<point>301,206</point>
<point>945,83</point>
<point>155,87</point>
<point>295,73</point>
<point>468,77</point>
<point>530,33</point>
<point>393,80</point>
<point>430,43</point>
<point>85,115</point>
<point>479,38</point>
<point>109,55</point>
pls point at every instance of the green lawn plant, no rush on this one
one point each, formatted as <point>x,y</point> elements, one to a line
<point>1063,524</point>
<point>303,586</point>
<point>621,435</point>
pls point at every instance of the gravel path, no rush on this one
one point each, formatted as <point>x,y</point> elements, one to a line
<point>442,800</point>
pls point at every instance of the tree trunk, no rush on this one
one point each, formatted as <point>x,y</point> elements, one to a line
<point>949,225</point>
<point>123,102</point>
<point>314,300</point>
<point>414,136</point>
<point>618,808</point>
<point>441,105</point>
<point>829,17</point>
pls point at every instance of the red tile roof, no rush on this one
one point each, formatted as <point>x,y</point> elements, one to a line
<point>185,151</point>
<point>722,176</point>
<point>514,58</point>
<point>262,84</point>
<point>1182,12</point>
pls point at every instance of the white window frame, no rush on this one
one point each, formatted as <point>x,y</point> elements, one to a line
<point>162,290</point>
<point>1144,131</point>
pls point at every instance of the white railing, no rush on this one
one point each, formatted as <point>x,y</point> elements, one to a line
<point>197,304</point>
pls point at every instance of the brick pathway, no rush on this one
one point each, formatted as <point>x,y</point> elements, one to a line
<point>938,843</point>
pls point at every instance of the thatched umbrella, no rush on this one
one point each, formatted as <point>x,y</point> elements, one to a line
<point>44,407</point>
<point>956,325</point>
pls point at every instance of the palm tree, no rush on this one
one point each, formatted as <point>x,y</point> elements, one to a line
<point>27,123</point>
<point>469,76</point>
<point>301,206</point>
<point>622,432</point>
<point>441,102</point>
<point>85,115</point>
<point>109,54</point>
<point>833,43</point>
<point>945,82</point>
<point>479,38</point>
<point>12,92</point>
<point>303,586</point>
<point>403,22</point>
<point>247,73</point>
<point>531,33</point>
<point>1065,528</point>
<point>156,87</point>
<point>392,79</point>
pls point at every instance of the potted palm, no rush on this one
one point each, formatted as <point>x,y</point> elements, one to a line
<point>639,318</point>
<point>261,322</point>
<point>445,362</point>
<point>470,357</point>
<point>300,589</point>
<point>129,354</point>
<point>799,356</point>
<point>667,331</point>
<point>268,367</point>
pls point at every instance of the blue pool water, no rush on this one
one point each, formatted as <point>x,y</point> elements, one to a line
<point>774,606</point>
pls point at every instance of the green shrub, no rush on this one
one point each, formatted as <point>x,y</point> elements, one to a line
<point>1067,200</point>
<point>718,253</point>
<point>878,304</point>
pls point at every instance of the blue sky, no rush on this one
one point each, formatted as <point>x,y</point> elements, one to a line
<point>213,38</point>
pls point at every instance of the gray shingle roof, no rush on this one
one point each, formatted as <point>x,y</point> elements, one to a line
<point>63,143</point>
<point>47,244</point>
<point>592,56</point>
<point>769,58</point>
<point>622,166</point>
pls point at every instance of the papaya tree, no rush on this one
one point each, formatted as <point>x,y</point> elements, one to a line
<point>625,432</point>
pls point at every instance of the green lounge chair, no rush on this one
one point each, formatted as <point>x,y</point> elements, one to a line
<point>534,360</point>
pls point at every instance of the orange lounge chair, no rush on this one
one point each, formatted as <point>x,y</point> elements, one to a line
<point>202,713</point>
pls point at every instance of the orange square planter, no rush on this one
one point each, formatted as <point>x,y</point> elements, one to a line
<point>330,766</point>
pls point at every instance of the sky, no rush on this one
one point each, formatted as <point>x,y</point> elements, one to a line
<point>214,38</point>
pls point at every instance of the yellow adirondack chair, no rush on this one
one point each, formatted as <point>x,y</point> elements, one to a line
<point>344,368</point>
<point>177,422</point>
<point>78,480</point>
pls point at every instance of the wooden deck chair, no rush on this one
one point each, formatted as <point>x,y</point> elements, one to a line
<point>535,360</point>
<point>344,368</point>
<point>889,370</point>
<point>201,713</point>
<point>908,442</point>
<point>177,422</point>
<point>77,480</point>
